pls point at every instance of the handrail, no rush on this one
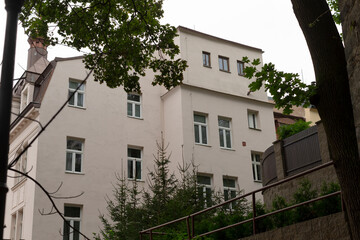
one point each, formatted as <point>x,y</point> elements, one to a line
<point>191,233</point>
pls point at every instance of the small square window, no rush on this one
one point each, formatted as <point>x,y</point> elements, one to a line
<point>74,155</point>
<point>256,166</point>
<point>134,163</point>
<point>224,132</point>
<point>240,68</point>
<point>200,129</point>
<point>134,105</point>
<point>253,120</point>
<point>224,64</point>
<point>206,59</point>
<point>77,100</point>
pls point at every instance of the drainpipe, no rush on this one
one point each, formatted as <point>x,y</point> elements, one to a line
<point>13,8</point>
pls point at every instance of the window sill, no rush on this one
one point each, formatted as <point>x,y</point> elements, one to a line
<point>241,75</point>
<point>75,173</point>
<point>224,71</point>
<point>136,180</point>
<point>18,184</point>
<point>138,118</point>
<point>228,149</point>
<point>204,145</point>
<point>72,106</point>
<point>256,129</point>
<point>207,66</point>
<point>257,181</point>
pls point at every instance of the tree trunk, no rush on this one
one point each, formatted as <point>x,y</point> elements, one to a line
<point>333,100</point>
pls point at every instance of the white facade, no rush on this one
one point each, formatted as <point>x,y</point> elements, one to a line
<point>99,124</point>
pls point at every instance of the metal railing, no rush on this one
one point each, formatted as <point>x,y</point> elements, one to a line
<point>190,220</point>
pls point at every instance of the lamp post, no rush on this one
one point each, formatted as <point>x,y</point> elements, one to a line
<point>13,8</point>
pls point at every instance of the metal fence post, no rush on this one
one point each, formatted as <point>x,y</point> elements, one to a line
<point>254,212</point>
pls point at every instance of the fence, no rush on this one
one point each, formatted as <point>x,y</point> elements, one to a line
<point>190,220</point>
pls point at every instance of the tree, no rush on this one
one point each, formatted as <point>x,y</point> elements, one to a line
<point>123,37</point>
<point>331,94</point>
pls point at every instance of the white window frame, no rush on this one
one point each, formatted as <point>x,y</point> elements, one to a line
<point>17,224</point>
<point>206,59</point>
<point>200,126</point>
<point>240,68</point>
<point>222,60</point>
<point>224,130</point>
<point>254,163</point>
<point>72,221</point>
<point>229,191</point>
<point>73,153</point>
<point>21,166</point>
<point>133,105</point>
<point>135,160</point>
<point>81,90</point>
<point>204,187</point>
<point>253,120</point>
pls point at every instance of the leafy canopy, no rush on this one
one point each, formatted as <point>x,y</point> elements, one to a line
<point>124,37</point>
<point>287,89</point>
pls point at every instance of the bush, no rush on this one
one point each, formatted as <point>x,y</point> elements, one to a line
<point>285,131</point>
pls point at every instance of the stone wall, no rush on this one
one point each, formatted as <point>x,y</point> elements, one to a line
<point>324,228</point>
<point>316,178</point>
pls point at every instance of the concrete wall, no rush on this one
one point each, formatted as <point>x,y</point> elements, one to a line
<point>325,228</point>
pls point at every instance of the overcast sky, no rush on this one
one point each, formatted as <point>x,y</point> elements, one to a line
<point>267,24</point>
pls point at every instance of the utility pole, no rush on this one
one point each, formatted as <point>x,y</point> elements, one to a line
<point>13,8</point>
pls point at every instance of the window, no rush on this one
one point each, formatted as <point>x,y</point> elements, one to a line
<point>20,166</point>
<point>17,225</point>
<point>78,99</point>
<point>240,68</point>
<point>134,163</point>
<point>200,129</point>
<point>73,218</point>
<point>253,120</point>
<point>224,133</point>
<point>229,190</point>
<point>256,167</point>
<point>134,105</point>
<point>74,155</point>
<point>24,99</point>
<point>224,64</point>
<point>206,59</point>
<point>204,189</point>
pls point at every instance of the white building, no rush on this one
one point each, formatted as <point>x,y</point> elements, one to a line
<point>211,119</point>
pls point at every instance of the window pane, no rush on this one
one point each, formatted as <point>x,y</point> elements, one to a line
<point>129,109</point>
<point>78,163</point>
<point>233,194</point>
<point>226,194</point>
<point>68,161</point>
<point>203,135</point>
<point>76,235</point>
<point>228,139</point>
<point>221,66</point>
<point>204,180</point>
<point>71,101</point>
<point>221,136</point>
<point>71,211</point>
<point>224,123</point>
<point>240,67</point>
<point>253,169</point>
<point>134,97</point>
<point>229,182</point>
<point>208,197</point>
<point>74,144</point>
<point>137,110</point>
<point>199,118</point>
<point>197,134</point>
<point>73,85</point>
<point>80,99</point>
<point>66,231</point>
<point>226,65</point>
<point>135,153</point>
<point>258,172</point>
<point>138,170</point>
<point>130,169</point>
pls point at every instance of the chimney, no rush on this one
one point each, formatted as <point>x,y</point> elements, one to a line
<point>36,51</point>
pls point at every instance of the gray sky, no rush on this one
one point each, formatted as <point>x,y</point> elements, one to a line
<point>267,24</point>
